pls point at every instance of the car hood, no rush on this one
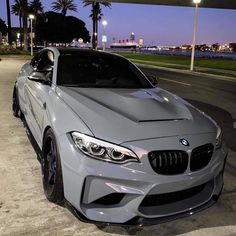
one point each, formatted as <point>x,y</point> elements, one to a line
<point>121,115</point>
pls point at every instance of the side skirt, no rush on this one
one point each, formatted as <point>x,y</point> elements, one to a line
<point>32,140</point>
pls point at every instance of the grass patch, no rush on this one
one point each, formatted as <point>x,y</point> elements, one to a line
<point>180,61</point>
<point>9,50</point>
<point>15,56</point>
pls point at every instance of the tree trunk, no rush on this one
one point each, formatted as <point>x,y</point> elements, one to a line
<point>25,24</point>
<point>9,22</point>
<point>25,33</point>
<point>94,39</point>
<point>95,12</point>
<point>94,27</point>
<point>20,21</point>
<point>35,29</point>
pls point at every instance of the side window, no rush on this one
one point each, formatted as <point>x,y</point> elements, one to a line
<point>44,63</point>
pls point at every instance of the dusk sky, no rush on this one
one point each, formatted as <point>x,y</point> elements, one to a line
<point>159,25</point>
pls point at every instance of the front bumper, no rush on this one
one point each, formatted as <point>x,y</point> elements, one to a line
<point>88,183</point>
<point>142,221</point>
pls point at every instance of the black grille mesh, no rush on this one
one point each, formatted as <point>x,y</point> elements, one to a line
<point>168,162</point>
<point>201,156</point>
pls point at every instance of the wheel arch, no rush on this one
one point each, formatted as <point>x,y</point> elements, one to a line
<point>44,132</point>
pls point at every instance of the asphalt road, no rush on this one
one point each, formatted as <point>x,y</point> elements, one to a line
<point>215,96</point>
<point>24,209</point>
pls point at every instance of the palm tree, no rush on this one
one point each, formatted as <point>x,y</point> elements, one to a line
<point>16,9</point>
<point>20,8</point>
<point>36,8</point>
<point>9,22</point>
<point>63,6</point>
<point>96,16</point>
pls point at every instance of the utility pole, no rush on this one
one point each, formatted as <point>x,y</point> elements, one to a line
<point>194,33</point>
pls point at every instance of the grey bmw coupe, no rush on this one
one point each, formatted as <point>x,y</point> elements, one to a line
<point>114,147</point>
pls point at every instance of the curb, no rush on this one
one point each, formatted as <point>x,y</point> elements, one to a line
<point>183,71</point>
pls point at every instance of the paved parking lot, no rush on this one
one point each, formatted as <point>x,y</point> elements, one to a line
<point>24,209</point>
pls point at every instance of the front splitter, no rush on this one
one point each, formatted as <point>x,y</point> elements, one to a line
<point>142,221</point>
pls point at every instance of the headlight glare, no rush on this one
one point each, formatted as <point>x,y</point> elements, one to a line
<point>102,150</point>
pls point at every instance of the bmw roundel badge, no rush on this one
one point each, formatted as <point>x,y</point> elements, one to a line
<point>184,142</point>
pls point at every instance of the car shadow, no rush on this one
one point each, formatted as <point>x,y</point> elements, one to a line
<point>221,214</point>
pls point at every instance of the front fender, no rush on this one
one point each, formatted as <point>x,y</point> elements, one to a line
<point>60,117</point>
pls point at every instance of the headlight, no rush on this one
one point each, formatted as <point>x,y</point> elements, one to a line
<point>218,138</point>
<point>102,150</point>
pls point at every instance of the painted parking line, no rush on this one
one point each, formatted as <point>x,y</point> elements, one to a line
<point>174,81</point>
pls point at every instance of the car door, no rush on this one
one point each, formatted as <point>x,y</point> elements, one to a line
<point>36,95</point>
<point>22,78</point>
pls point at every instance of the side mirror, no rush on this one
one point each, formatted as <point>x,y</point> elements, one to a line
<point>38,77</point>
<point>45,69</point>
<point>153,79</point>
<point>48,68</point>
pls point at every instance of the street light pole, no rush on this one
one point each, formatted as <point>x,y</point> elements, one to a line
<point>31,34</point>
<point>104,23</point>
<point>194,33</point>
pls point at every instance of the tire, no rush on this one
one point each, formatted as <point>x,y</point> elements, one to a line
<point>51,169</point>
<point>15,103</point>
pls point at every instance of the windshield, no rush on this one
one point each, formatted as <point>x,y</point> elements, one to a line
<point>99,71</point>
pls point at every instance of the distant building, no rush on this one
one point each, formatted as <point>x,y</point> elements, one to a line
<point>186,47</point>
<point>232,47</point>
<point>224,48</point>
<point>128,43</point>
<point>125,44</point>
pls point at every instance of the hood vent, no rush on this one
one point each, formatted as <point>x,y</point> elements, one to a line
<point>142,121</point>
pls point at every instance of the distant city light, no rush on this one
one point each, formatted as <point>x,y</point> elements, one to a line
<point>197,1</point>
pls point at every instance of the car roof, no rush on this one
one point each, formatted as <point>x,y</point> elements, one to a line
<point>64,51</point>
<point>82,51</point>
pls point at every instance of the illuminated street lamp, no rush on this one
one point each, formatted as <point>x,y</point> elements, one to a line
<point>104,37</point>
<point>196,2</point>
<point>31,33</point>
<point>104,23</point>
